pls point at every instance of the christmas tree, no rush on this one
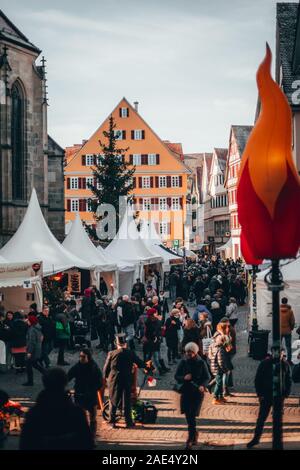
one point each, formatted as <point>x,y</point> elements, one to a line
<point>112,176</point>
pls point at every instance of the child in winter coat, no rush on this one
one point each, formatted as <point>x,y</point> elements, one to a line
<point>218,366</point>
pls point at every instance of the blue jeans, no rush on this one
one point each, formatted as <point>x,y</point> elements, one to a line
<point>173,290</point>
<point>218,391</point>
<point>288,345</point>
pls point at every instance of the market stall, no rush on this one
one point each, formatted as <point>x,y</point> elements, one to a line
<point>128,247</point>
<point>20,285</point>
<point>78,241</point>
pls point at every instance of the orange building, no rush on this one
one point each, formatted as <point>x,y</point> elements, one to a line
<point>160,180</point>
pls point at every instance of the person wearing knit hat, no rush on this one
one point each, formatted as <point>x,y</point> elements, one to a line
<point>192,377</point>
<point>34,348</point>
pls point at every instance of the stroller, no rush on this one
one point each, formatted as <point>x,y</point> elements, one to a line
<point>81,330</point>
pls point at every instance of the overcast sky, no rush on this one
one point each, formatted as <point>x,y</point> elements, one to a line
<point>191,64</point>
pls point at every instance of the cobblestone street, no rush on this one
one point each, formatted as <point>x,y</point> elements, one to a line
<point>220,427</point>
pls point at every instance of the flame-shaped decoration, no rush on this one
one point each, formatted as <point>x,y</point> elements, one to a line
<point>247,253</point>
<point>268,192</point>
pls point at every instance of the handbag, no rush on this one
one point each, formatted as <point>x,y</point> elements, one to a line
<point>163,331</point>
<point>206,342</point>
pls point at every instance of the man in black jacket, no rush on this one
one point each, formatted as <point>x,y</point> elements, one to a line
<point>48,331</point>
<point>138,288</point>
<point>88,381</point>
<point>264,391</point>
<point>118,373</point>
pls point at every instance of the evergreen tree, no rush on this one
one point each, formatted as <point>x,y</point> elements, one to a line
<point>112,175</point>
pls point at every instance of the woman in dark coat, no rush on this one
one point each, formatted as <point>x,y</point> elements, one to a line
<point>192,377</point>
<point>191,334</point>
<point>153,339</point>
<point>172,326</point>
<point>18,341</point>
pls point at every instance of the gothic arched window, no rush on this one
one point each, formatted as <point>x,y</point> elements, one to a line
<point>17,142</point>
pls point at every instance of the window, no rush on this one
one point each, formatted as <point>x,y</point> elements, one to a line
<point>17,142</point>
<point>175,203</point>
<point>99,186</point>
<point>89,160</point>
<point>162,181</point>
<point>152,159</point>
<point>221,227</point>
<point>119,135</point>
<point>74,205</point>
<point>89,205</point>
<point>146,182</point>
<point>89,180</point>
<point>136,159</point>
<point>164,228</point>
<point>138,135</point>
<point>124,112</point>
<point>73,183</point>
<point>163,205</point>
<point>146,204</point>
<point>175,182</point>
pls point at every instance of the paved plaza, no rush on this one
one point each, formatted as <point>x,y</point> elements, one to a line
<point>221,427</point>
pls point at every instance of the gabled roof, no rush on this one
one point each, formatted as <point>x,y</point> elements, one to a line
<point>10,33</point>
<point>288,46</point>
<point>34,241</point>
<point>221,153</point>
<point>54,148</point>
<point>241,134</point>
<point>133,110</point>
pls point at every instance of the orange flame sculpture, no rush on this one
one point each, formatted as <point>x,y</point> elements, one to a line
<point>268,192</point>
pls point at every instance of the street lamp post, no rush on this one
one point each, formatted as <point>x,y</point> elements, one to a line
<point>254,299</point>
<point>268,197</point>
<point>275,285</point>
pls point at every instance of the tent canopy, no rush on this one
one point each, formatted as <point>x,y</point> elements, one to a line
<point>128,245</point>
<point>153,241</point>
<point>34,241</point>
<point>226,246</point>
<point>78,241</point>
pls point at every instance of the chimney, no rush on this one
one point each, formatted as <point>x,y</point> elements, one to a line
<point>136,106</point>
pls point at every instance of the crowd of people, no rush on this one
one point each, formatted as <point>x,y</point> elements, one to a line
<point>200,341</point>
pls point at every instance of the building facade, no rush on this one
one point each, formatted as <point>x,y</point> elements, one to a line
<point>237,142</point>
<point>288,64</point>
<point>216,211</point>
<point>26,159</point>
<point>160,179</point>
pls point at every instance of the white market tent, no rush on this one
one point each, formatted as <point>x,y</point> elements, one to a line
<point>20,285</point>
<point>126,272</point>
<point>226,249</point>
<point>153,241</point>
<point>128,247</point>
<point>34,241</point>
<point>78,241</point>
<point>291,278</point>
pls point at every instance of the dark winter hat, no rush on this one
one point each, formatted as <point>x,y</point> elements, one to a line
<point>33,306</point>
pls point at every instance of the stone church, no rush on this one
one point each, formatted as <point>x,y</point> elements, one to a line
<point>29,157</point>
